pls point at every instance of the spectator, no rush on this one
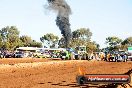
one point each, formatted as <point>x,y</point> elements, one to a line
<point>72,55</point>
<point>63,55</point>
<point>102,56</point>
<point>125,57</point>
<point>108,56</point>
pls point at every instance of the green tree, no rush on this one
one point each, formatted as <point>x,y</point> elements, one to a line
<point>10,37</point>
<point>1,43</point>
<point>80,37</point>
<point>36,44</point>
<point>26,40</point>
<point>113,43</point>
<point>82,33</point>
<point>92,47</point>
<point>50,39</point>
<point>123,47</point>
<point>127,41</point>
<point>4,33</point>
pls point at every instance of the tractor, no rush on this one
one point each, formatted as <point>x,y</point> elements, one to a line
<point>81,53</point>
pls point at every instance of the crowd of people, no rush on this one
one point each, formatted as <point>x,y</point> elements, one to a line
<point>107,56</point>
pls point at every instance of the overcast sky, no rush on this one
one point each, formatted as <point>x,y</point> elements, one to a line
<point>103,17</point>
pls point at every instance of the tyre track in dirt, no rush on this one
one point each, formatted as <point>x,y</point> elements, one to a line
<point>55,74</point>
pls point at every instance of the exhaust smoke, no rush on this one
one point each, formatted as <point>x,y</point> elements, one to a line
<point>62,20</point>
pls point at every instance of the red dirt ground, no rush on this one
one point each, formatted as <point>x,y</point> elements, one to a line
<point>42,73</point>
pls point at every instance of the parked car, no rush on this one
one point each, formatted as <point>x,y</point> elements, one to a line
<point>46,55</point>
<point>9,55</point>
<point>42,54</point>
<point>19,54</point>
<point>129,57</point>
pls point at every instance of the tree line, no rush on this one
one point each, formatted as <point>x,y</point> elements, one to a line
<point>10,39</point>
<point>115,43</point>
<point>83,36</point>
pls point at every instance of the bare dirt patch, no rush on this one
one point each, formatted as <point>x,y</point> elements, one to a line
<point>40,73</point>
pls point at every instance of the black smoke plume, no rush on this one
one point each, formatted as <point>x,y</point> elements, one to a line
<point>62,21</point>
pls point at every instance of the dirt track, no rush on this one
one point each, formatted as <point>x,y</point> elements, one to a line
<point>40,73</point>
